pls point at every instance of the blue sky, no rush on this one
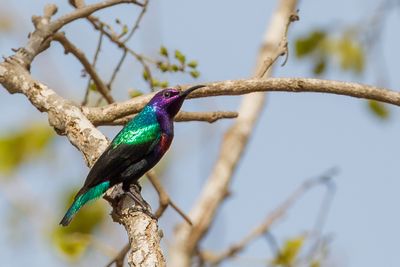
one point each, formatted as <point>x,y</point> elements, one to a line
<point>299,135</point>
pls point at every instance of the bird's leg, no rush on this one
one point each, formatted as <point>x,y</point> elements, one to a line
<point>138,199</point>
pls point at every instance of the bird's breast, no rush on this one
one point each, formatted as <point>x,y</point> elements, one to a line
<point>165,142</point>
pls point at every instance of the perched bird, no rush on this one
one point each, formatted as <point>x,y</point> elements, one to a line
<point>135,149</point>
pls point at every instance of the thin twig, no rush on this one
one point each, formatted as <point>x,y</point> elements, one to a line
<point>272,242</point>
<point>281,50</point>
<point>164,198</point>
<point>86,11</point>
<point>137,22</point>
<point>96,55</point>
<point>70,47</point>
<point>322,216</point>
<point>119,258</point>
<point>182,116</point>
<point>116,70</point>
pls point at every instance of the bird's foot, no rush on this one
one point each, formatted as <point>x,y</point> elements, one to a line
<point>138,199</point>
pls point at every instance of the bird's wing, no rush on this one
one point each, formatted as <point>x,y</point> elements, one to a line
<point>127,148</point>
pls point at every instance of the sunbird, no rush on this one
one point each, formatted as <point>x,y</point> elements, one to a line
<point>135,149</point>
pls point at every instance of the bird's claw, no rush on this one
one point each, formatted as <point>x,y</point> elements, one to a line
<point>137,198</point>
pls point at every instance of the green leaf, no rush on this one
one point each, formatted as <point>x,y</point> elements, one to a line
<point>125,30</point>
<point>164,67</point>
<point>180,57</point>
<point>192,64</point>
<point>93,87</point>
<point>320,66</point>
<point>19,146</point>
<point>134,93</point>
<point>73,245</point>
<point>306,45</point>
<point>73,241</point>
<point>6,23</point>
<point>315,264</point>
<point>289,252</point>
<point>164,51</point>
<point>164,84</point>
<point>155,82</point>
<point>146,75</point>
<point>174,68</point>
<point>195,74</point>
<point>351,54</point>
<point>379,109</point>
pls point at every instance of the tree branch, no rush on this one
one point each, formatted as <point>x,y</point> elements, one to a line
<point>112,112</point>
<point>182,116</point>
<point>86,10</point>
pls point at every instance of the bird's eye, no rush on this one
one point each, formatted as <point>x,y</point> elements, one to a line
<point>167,94</point>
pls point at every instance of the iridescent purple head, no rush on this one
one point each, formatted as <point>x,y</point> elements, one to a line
<point>171,99</point>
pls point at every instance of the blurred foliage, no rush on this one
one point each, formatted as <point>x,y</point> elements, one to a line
<point>379,109</point>
<point>346,51</point>
<point>315,264</point>
<point>134,93</point>
<point>73,241</point>
<point>325,49</point>
<point>289,252</point>
<point>169,64</point>
<point>18,146</point>
<point>6,23</point>
<point>92,86</point>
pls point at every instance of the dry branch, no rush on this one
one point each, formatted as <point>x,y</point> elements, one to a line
<point>109,113</point>
<point>182,116</point>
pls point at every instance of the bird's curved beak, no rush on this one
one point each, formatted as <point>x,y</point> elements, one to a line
<point>191,89</point>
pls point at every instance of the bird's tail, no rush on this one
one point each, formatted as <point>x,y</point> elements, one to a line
<point>82,198</point>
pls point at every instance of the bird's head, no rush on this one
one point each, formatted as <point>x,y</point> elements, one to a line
<point>171,99</point>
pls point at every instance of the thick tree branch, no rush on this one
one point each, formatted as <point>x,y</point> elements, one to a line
<point>143,232</point>
<point>112,112</point>
<point>66,117</point>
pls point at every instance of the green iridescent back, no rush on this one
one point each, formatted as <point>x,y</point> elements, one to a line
<point>141,129</point>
